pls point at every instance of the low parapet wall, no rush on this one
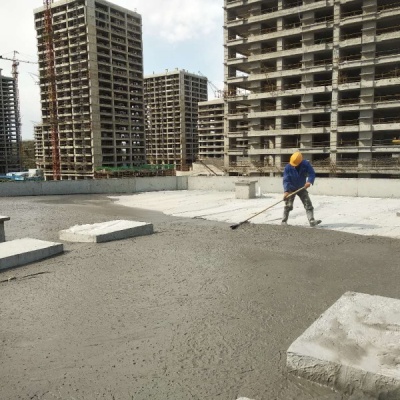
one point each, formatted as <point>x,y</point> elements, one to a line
<point>385,188</point>
<point>96,186</point>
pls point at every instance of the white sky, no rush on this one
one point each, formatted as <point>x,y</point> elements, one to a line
<point>183,34</point>
<point>359,215</point>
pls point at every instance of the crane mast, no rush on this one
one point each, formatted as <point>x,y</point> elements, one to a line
<point>51,85</point>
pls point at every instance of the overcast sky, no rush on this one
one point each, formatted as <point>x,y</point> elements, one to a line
<point>184,34</point>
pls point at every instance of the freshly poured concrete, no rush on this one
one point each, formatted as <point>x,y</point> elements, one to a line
<point>15,253</point>
<point>196,311</point>
<point>106,231</point>
<point>353,346</point>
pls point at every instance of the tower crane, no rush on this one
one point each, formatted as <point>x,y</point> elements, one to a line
<point>14,70</point>
<point>217,92</point>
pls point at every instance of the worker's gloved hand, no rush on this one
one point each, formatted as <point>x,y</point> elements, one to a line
<point>286,194</point>
<point>307,185</point>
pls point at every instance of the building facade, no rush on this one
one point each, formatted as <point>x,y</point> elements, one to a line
<point>98,101</point>
<point>10,142</point>
<point>319,76</point>
<point>211,129</point>
<point>171,100</point>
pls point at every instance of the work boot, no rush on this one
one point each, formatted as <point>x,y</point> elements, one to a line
<point>285,217</point>
<point>311,220</point>
<point>315,222</point>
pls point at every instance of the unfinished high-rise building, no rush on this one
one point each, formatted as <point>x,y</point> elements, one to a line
<point>171,100</point>
<point>93,117</point>
<point>211,129</point>
<point>319,76</point>
<point>10,141</point>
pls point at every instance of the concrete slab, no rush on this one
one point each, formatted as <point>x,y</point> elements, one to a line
<point>354,345</point>
<point>106,231</point>
<point>15,253</point>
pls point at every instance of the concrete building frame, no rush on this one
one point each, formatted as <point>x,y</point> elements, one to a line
<point>10,155</point>
<point>211,130</point>
<point>99,77</point>
<point>171,100</point>
<point>322,77</point>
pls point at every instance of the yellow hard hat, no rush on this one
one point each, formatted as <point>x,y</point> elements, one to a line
<point>296,159</point>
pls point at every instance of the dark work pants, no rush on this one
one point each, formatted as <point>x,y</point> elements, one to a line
<point>305,199</point>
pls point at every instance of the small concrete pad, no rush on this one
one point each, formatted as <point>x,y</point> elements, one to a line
<point>106,231</point>
<point>353,346</point>
<point>245,189</point>
<point>15,253</point>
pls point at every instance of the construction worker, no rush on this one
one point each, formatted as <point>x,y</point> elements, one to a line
<point>298,174</point>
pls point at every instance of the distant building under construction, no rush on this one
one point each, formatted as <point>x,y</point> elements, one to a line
<point>319,76</point>
<point>211,130</point>
<point>94,114</point>
<point>171,100</point>
<point>10,160</point>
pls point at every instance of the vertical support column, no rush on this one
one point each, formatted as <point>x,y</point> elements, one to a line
<point>226,89</point>
<point>307,79</point>
<point>335,83</point>
<point>365,138</point>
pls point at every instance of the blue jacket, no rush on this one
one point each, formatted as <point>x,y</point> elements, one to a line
<point>293,180</point>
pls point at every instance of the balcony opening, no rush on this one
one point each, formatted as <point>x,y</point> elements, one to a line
<point>388,94</point>
<point>384,139</point>
<point>291,102</point>
<point>290,122</point>
<point>387,116</point>
<point>290,142</point>
<point>321,121</point>
<point>351,9</point>
<point>322,100</point>
<point>293,62</point>
<point>352,31</point>
<point>291,83</point>
<point>347,118</point>
<point>323,58</point>
<point>292,42</point>
<point>352,53</point>
<point>349,76</point>
<point>321,141</point>
<point>349,97</point>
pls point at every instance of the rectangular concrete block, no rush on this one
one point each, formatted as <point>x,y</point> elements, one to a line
<point>3,218</point>
<point>15,253</point>
<point>245,189</point>
<point>353,347</point>
<point>106,231</point>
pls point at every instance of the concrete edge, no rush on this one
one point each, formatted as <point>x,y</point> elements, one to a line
<point>19,260</point>
<point>342,378</point>
<point>107,237</point>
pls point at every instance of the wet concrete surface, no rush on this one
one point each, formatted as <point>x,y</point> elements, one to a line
<point>194,311</point>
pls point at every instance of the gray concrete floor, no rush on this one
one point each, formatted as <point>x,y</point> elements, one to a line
<point>194,311</point>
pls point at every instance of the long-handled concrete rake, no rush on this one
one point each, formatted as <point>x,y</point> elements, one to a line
<point>235,226</point>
